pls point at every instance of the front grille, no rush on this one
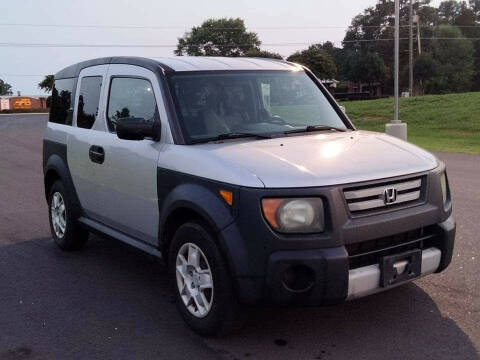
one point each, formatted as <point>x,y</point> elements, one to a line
<point>371,251</point>
<point>368,198</point>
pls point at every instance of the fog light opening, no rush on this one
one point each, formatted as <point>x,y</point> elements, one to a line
<point>298,278</point>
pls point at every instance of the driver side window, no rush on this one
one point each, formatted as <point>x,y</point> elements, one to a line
<point>130,97</point>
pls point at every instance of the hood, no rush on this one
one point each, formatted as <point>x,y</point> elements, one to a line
<point>322,159</point>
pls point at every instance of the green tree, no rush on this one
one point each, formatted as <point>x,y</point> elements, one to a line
<point>466,20</point>
<point>425,68</point>
<point>475,6</point>
<point>338,56</point>
<point>5,88</point>
<point>373,31</point>
<point>466,17</point>
<point>255,52</point>
<point>449,10</point>
<point>47,83</point>
<point>455,59</point>
<point>428,15</point>
<point>317,60</point>
<point>218,37</point>
<point>365,67</point>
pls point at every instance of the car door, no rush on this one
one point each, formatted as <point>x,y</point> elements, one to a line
<point>86,117</point>
<point>127,178</point>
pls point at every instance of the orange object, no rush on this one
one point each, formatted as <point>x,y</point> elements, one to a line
<point>22,103</point>
<point>227,196</point>
<point>270,207</point>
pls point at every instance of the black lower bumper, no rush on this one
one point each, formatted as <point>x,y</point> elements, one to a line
<point>308,277</point>
<point>319,276</point>
<point>446,242</point>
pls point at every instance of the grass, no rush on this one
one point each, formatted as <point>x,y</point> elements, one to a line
<point>448,123</point>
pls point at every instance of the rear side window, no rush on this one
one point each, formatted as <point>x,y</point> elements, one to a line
<point>88,100</point>
<point>130,97</point>
<point>61,107</point>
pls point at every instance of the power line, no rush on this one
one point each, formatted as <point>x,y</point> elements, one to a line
<point>422,26</point>
<point>406,38</point>
<point>168,27</point>
<point>66,45</point>
<point>95,26</point>
<point>59,45</point>
<point>22,75</point>
<point>216,28</point>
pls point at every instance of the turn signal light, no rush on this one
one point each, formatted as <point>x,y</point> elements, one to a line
<point>227,196</point>
<point>295,215</point>
<point>270,207</point>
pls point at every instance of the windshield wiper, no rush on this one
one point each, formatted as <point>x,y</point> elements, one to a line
<point>237,135</point>
<point>311,128</point>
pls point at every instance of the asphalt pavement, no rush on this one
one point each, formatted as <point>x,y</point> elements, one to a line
<point>110,301</point>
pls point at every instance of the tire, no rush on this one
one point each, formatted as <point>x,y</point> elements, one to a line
<point>66,231</point>
<point>218,318</point>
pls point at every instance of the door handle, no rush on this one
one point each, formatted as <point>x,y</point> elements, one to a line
<point>96,154</point>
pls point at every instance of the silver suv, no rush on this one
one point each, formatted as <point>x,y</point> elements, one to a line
<point>246,177</point>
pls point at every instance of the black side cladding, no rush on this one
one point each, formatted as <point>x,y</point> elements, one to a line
<point>55,164</point>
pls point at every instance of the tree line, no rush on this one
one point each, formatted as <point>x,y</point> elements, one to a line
<point>450,46</point>
<point>448,61</point>
<point>449,35</point>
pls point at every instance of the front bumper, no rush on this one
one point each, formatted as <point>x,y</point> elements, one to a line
<point>332,280</point>
<point>366,280</point>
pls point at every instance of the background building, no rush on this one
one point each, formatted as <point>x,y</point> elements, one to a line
<point>23,102</point>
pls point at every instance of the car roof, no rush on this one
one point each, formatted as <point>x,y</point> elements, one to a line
<point>183,64</point>
<point>204,63</point>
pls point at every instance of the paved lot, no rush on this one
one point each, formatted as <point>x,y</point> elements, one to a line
<point>111,301</point>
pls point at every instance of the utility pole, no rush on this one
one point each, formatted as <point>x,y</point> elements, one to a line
<point>397,56</point>
<point>396,127</point>
<point>417,20</point>
<point>410,50</point>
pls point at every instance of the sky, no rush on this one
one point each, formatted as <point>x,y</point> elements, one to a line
<point>151,22</point>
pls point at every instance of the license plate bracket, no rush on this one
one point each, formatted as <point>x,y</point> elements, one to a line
<point>390,266</point>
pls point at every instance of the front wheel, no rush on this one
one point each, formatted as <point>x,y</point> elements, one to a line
<point>202,283</point>
<point>66,231</point>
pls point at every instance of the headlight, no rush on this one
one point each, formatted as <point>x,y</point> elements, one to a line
<point>444,185</point>
<point>301,215</point>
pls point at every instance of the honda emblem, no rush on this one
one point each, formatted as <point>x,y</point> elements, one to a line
<point>390,196</point>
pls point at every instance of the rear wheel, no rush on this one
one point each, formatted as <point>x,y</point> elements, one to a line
<point>66,231</point>
<point>202,283</point>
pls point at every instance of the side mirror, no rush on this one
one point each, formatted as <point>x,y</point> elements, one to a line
<point>131,128</point>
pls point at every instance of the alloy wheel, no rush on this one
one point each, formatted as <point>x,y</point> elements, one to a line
<point>58,214</point>
<point>194,280</point>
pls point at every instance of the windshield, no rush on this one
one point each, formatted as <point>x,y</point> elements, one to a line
<point>249,102</point>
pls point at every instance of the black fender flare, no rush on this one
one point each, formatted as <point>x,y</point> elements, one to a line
<point>206,202</point>
<point>57,164</point>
